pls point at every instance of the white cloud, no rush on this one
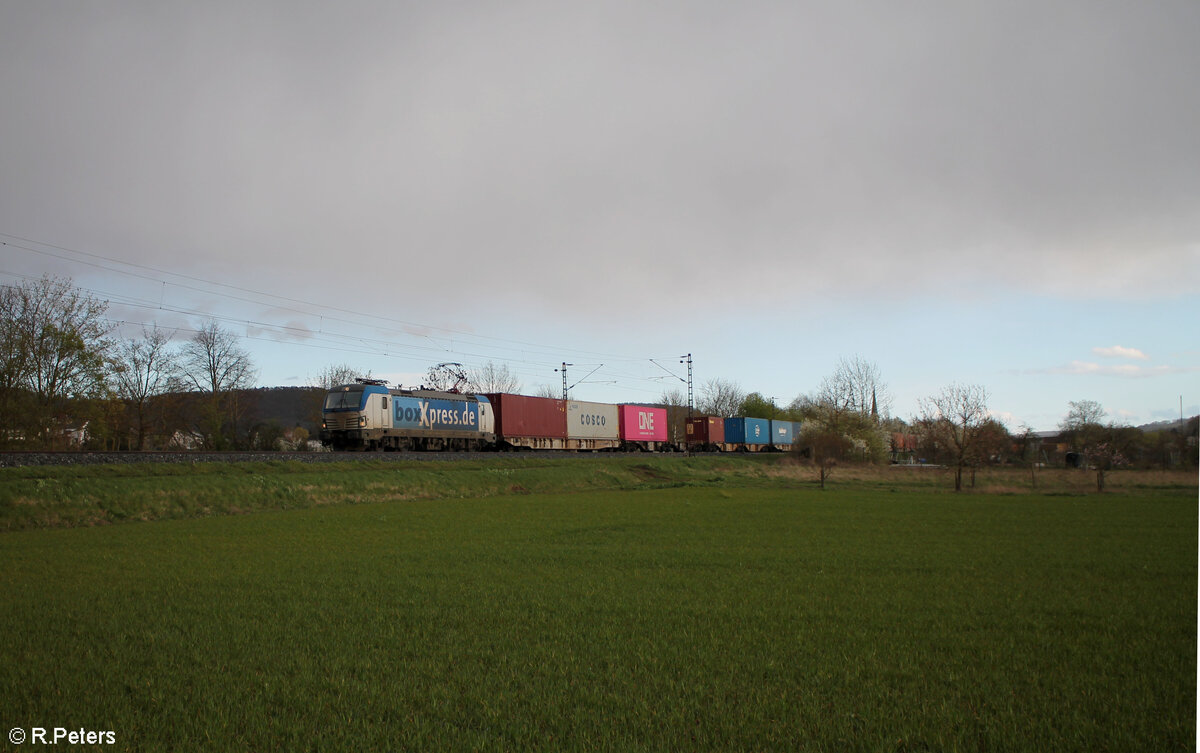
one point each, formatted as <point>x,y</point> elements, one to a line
<point>1008,418</point>
<point>1128,370</point>
<point>1118,351</point>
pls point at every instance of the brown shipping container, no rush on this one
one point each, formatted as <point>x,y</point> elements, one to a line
<point>706,430</point>
<point>524,416</point>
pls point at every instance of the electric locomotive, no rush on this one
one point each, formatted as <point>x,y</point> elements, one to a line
<point>367,415</point>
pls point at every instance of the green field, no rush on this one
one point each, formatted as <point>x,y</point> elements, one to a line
<point>595,605</point>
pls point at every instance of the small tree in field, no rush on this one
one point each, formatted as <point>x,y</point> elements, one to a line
<point>1106,456</point>
<point>955,419</point>
<point>826,449</point>
<point>1083,425</point>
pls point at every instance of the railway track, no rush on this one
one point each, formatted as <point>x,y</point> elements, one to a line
<point>32,458</point>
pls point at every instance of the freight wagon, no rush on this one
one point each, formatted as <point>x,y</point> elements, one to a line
<point>784,434</point>
<point>593,426</point>
<point>746,434</point>
<point>535,423</point>
<point>643,428</point>
<point>705,433</point>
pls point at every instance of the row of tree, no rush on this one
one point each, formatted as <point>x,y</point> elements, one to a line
<point>62,367</point>
<point>63,372</point>
<point>848,419</point>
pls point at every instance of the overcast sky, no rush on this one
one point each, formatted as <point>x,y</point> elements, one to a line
<point>1002,193</point>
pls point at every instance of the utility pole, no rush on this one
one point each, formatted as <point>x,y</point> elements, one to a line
<point>691,402</point>
<point>564,373</point>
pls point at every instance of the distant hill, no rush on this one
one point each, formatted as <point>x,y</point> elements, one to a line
<point>287,406</point>
<point>1146,428</point>
<point>1167,425</point>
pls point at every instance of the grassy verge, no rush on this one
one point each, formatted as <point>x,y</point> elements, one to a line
<point>49,497</point>
<point>747,611</point>
<point>57,497</point>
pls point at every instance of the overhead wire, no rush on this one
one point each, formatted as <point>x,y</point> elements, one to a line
<point>297,335</point>
<point>325,306</point>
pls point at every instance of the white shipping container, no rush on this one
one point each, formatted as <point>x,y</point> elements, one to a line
<point>592,421</point>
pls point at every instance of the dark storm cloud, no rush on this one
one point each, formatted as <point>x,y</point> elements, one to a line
<point>551,148</point>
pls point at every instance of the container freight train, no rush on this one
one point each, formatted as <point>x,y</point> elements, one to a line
<point>370,416</point>
<point>712,434</point>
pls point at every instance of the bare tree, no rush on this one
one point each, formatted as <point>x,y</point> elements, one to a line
<point>855,386</point>
<point>215,364</point>
<point>213,361</point>
<point>547,390</point>
<point>954,420</point>
<point>143,368</point>
<point>493,378</point>
<point>677,413</point>
<point>720,397</point>
<point>336,375</point>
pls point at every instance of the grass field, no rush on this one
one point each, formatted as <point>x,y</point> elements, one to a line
<point>612,605</point>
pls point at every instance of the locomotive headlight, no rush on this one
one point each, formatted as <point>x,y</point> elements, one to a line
<point>362,420</point>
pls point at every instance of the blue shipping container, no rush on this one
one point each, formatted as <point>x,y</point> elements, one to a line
<point>747,431</point>
<point>783,432</point>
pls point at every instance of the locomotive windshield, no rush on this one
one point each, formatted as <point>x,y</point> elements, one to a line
<point>348,399</point>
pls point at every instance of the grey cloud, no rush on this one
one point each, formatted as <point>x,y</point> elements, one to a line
<point>548,148</point>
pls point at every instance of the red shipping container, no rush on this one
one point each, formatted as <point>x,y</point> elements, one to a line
<point>524,416</point>
<point>640,423</point>
<point>705,430</point>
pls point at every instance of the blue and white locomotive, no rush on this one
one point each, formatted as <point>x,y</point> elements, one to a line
<point>369,416</point>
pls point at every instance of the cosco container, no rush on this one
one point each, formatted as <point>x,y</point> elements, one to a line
<point>643,425</point>
<point>523,421</point>
<point>751,432</point>
<point>783,433</point>
<point>592,426</point>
